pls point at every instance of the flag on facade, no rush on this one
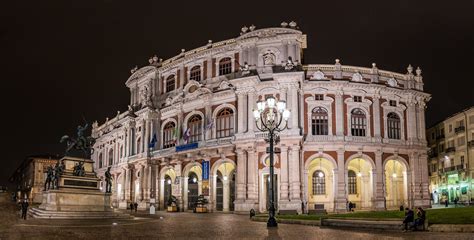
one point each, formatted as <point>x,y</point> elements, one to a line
<point>186,135</point>
<point>153,141</point>
<point>210,124</point>
<point>175,134</point>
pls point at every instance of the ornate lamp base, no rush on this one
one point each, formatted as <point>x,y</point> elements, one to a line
<point>272,222</point>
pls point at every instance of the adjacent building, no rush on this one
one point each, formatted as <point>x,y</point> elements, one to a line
<point>451,158</point>
<point>355,134</point>
<point>30,176</point>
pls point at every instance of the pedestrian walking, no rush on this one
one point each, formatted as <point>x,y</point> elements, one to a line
<point>136,206</point>
<point>24,209</point>
<point>446,203</point>
<point>131,207</point>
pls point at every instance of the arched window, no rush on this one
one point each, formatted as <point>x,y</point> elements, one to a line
<point>169,135</point>
<point>225,123</point>
<point>139,145</point>
<point>319,121</point>
<point>358,123</point>
<point>393,126</point>
<point>170,83</point>
<point>195,73</point>
<point>319,183</point>
<point>225,66</point>
<point>195,128</point>
<point>352,178</point>
<point>100,160</point>
<point>111,157</point>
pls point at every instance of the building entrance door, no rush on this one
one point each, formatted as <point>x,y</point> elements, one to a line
<point>219,193</point>
<point>167,191</point>
<point>266,178</point>
<point>232,192</point>
<point>192,191</point>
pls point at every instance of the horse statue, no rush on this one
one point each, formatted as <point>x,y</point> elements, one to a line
<point>81,143</point>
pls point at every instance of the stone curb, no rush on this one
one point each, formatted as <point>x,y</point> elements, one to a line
<point>290,221</point>
<point>451,228</point>
<point>432,228</point>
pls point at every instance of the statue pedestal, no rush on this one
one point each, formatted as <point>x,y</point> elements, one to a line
<point>77,196</point>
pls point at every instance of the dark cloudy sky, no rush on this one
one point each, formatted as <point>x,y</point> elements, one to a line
<point>64,59</point>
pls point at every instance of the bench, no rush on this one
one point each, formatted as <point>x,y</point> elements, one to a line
<point>318,209</point>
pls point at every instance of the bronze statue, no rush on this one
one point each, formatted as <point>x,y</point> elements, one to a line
<point>79,170</point>
<point>108,181</point>
<point>81,143</point>
<point>49,178</point>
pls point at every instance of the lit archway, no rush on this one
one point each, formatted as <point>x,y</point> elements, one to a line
<point>359,179</point>
<point>223,177</point>
<point>320,183</point>
<point>396,187</point>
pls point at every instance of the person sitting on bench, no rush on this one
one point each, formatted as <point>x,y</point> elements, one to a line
<point>420,221</point>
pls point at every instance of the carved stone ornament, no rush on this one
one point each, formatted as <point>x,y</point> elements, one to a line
<point>269,58</point>
<point>318,75</point>
<point>392,82</point>
<point>225,85</point>
<point>357,77</point>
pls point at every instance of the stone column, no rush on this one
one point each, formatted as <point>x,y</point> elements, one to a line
<point>142,182</point>
<point>226,190</point>
<point>376,109</point>
<point>241,103</point>
<point>411,124</point>
<point>293,106</point>
<point>241,166</point>
<point>208,132</point>
<point>252,177</point>
<point>339,114</point>
<point>251,105</point>
<point>146,139</point>
<point>294,175</point>
<point>378,186</point>
<point>341,194</point>
<point>124,183</point>
<point>284,174</point>
<point>421,120</point>
<point>179,196</point>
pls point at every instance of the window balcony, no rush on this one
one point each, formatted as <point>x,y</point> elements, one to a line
<point>450,149</point>
<point>460,129</point>
<point>439,137</point>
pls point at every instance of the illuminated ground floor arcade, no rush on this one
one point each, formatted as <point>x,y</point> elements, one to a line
<point>239,180</point>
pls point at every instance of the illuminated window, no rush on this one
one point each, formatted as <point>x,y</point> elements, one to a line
<point>319,121</point>
<point>319,183</point>
<point>358,123</point>
<point>225,123</point>
<point>352,178</point>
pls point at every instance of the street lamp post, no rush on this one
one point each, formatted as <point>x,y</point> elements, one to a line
<point>269,116</point>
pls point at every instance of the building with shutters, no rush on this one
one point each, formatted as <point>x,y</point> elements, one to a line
<point>355,134</point>
<point>451,161</point>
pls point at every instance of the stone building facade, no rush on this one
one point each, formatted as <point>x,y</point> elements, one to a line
<point>30,176</point>
<point>451,161</point>
<point>355,134</point>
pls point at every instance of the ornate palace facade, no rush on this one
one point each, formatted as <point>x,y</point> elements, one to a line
<point>355,134</point>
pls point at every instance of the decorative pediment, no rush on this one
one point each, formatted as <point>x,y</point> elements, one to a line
<point>194,89</point>
<point>357,77</point>
<point>392,82</point>
<point>225,85</point>
<point>140,73</point>
<point>318,75</point>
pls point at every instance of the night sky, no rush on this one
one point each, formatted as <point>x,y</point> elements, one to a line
<point>61,60</point>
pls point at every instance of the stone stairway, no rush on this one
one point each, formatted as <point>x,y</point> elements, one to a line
<point>44,214</point>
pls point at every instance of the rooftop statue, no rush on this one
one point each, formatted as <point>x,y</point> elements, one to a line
<point>81,143</point>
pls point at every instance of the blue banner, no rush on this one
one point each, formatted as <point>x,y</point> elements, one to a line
<point>186,147</point>
<point>205,170</point>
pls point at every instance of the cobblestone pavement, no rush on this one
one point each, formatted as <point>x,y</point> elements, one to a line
<point>194,226</point>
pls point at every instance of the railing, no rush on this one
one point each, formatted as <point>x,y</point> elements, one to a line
<point>450,149</point>
<point>453,168</point>
<point>460,129</point>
